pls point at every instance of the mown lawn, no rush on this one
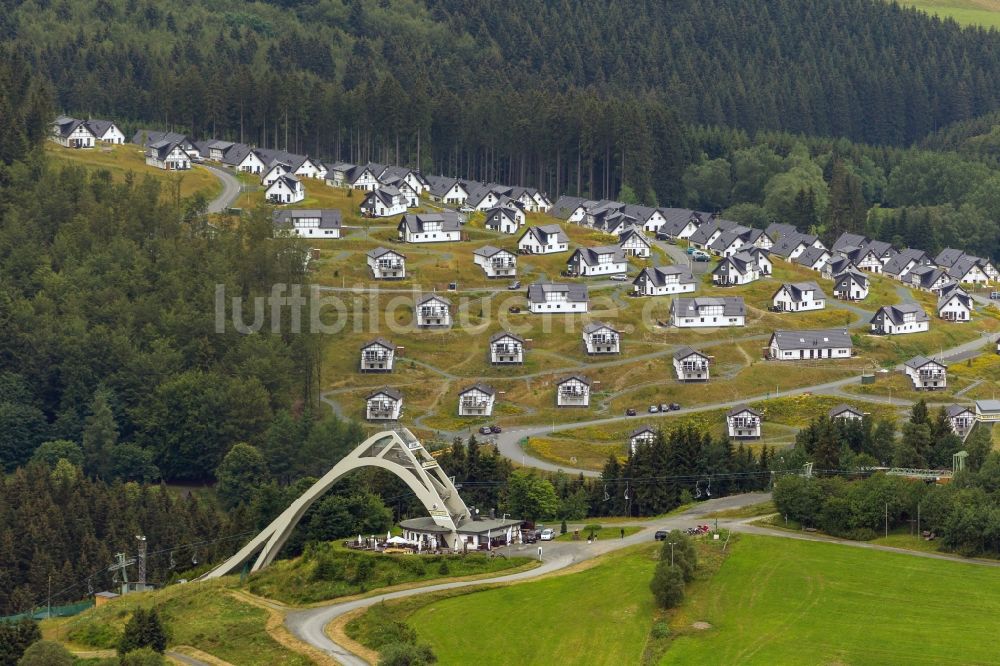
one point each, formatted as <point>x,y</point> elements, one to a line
<point>599,616</point>
<point>984,13</point>
<point>122,159</point>
<point>780,601</point>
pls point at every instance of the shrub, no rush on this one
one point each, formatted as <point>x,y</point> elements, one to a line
<point>562,527</point>
<point>667,585</point>
<point>443,568</point>
<point>144,629</point>
<point>142,657</point>
<point>661,630</point>
<point>46,653</point>
<point>406,654</point>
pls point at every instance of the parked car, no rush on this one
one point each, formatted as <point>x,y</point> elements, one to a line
<point>664,407</point>
<point>661,535</point>
<point>619,277</point>
<point>653,409</point>
<point>702,257</point>
<point>516,284</point>
<point>466,209</point>
<point>496,429</point>
<point>629,412</point>
<point>548,534</point>
<point>530,536</point>
<point>452,286</point>
<point>513,309</point>
<point>674,406</point>
<point>671,240</point>
<point>690,249</point>
<point>485,430</point>
<point>995,295</point>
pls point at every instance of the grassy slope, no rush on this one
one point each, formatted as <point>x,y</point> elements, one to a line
<point>598,616</point>
<point>777,601</point>
<point>119,160</point>
<point>985,13</point>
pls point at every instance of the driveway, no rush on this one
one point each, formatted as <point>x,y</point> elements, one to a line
<point>230,190</point>
<point>309,624</point>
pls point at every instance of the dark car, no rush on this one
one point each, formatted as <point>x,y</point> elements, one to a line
<point>513,309</point>
<point>661,535</point>
<point>629,412</point>
<point>516,284</point>
<point>702,257</point>
<point>674,406</point>
<point>486,430</point>
<point>496,429</point>
<point>531,536</point>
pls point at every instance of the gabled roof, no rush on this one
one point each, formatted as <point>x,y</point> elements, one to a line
<point>383,193</point>
<point>810,256</point>
<point>739,409</point>
<point>685,352</point>
<point>880,248</point>
<point>100,127</point>
<point>380,251</point>
<point>642,430</point>
<point>379,342</point>
<point>162,149</point>
<point>595,326</point>
<point>415,222</point>
<point>389,391</point>
<point>732,306</point>
<point>489,251</point>
<point>841,409</point>
<point>541,234</point>
<point>849,240</point>
<point>814,339</point>
<point>579,378</point>
<point>574,292</point>
<point>948,256</point>
<point>955,410</point>
<point>509,213</point>
<point>590,255</point>
<point>963,266</point>
<point>838,264</point>
<point>796,290</point>
<point>842,280</point>
<point>898,264</point>
<point>951,293</point>
<point>500,335</point>
<point>788,244</point>
<point>632,232</point>
<point>928,276</point>
<point>329,218</point>
<point>153,136</point>
<point>566,206</point>
<point>288,180</point>
<point>897,313</point>
<point>658,275</point>
<point>742,262</point>
<point>426,298</point>
<point>478,386</point>
<point>918,362</point>
<point>778,230</point>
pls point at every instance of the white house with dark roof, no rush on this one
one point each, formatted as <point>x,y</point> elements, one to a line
<point>285,190</point>
<point>900,265</point>
<point>810,344</point>
<point>433,310</point>
<point>846,413</point>
<point>988,411</point>
<point>274,171</point>
<point>642,435</point>
<point>634,243</point>
<point>746,266</point>
<point>504,220</point>
<point>708,311</point>
<point>836,265</point>
<point>851,286</point>
<point>377,355</point>
<point>900,319</point>
<point>680,223</point>
<point>168,155</point>
<point>495,262</point>
<point>546,239</point>
<point>926,374</point>
<point>954,304</point>
<point>506,348</point>
<point>690,365</point>
<point>961,419</point>
<point>591,261</point>
<point>600,338</point>
<point>573,391</point>
<point>743,422</point>
<point>798,297</point>
<point>443,227</point>
<point>386,264</point>
<point>968,270</point>
<point>106,131</point>
<point>384,404</point>
<point>663,281</point>
<point>446,190</point>
<point>927,278</point>
<point>308,222</point>
<point>813,258</point>
<point>476,400</point>
<point>386,201</point>
<point>72,133</point>
<point>557,298</point>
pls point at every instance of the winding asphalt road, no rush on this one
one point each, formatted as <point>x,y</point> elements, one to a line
<point>309,624</point>
<point>230,190</point>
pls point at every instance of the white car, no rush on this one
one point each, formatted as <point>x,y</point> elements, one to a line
<point>619,277</point>
<point>548,534</point>
<point>466,209</point>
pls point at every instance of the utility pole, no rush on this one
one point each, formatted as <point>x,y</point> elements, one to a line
<point>142,562</point>
<point>671,544</point>
<point>887,520</point>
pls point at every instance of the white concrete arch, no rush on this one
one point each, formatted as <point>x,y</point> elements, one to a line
<point>398,452</point>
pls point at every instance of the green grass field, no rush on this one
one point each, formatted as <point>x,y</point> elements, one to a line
<point>985,13</point>
<point>778,601</point>
<point>599,616</point>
